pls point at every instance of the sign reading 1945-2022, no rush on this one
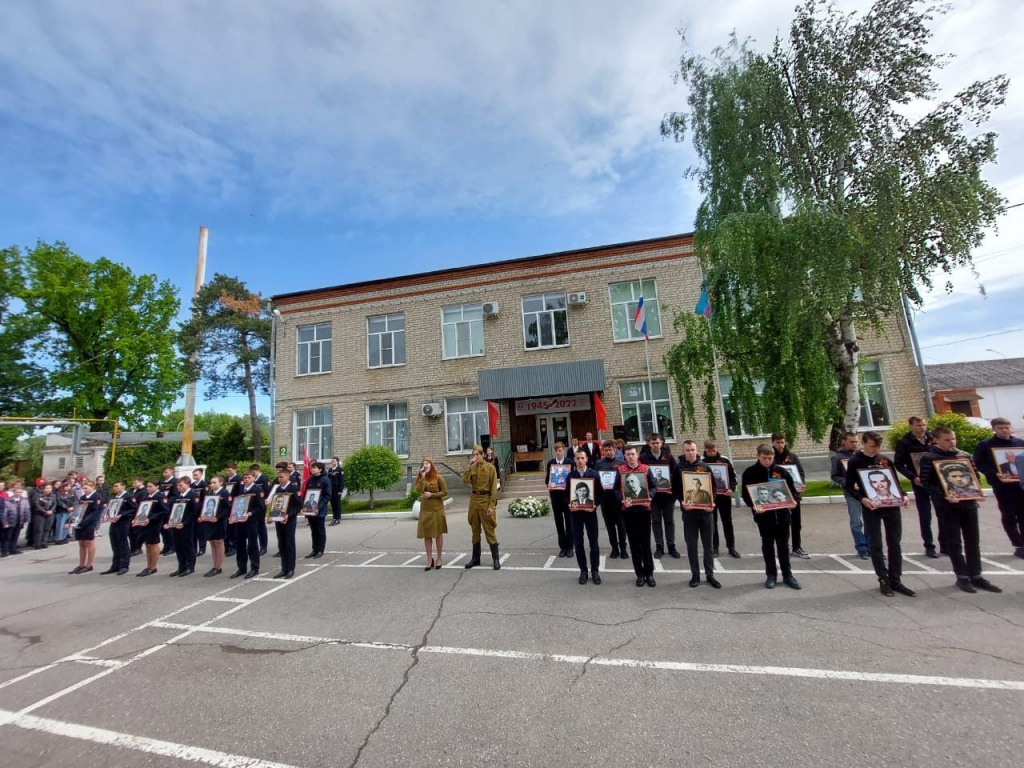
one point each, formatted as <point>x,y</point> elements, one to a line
<point>558,404</point>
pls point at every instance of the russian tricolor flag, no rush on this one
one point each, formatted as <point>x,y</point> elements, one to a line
<point>640,318</point>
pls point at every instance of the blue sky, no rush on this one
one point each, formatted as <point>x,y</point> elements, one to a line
<point>328,142</point>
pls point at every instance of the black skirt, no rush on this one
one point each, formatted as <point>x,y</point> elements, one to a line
<point>218,530</point>
<point>151,531</point>
<point>85,534</point>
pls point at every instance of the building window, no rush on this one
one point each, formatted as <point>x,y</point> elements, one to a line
<point>545,321</point>
<point>388,424</point>
<point>734,425</point>
<point>624,299</point>
<point>462,330</point>
<point>646,409</point>
<point>466,418</point>
<point>79,462</point>
<point>312,429</point>
<point>62,463</point>
<point>314,349</point>
<point>385,341</point>
<point>874,410</point>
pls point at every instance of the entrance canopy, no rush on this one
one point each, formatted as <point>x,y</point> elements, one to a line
<point>541,380</point>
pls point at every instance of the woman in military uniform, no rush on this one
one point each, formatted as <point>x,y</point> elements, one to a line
<point>432,525</point>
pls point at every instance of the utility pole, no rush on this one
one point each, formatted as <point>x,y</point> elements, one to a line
<point>186,460</point>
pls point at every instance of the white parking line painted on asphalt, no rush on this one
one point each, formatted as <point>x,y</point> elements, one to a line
<point>922,566</point>
<point>113,663</point>
<point>137,743</point>
<point>849,565</point>
<point>998,564</point>
<point>664,666</point>
<point>548,563</point>
<point>375,557</point>
<point>658,567</point>
<point>454,560</point>
<point>412,559</point>
<point>216,599</point>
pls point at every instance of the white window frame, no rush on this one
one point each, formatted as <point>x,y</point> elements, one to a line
<point>387,332</point>
<point>393,421</point>
<point>651,307</point>
<point>62,462</point>
<point>652,402</point>
<point>477,414</point>
<point>323,431</point>
<point>551,312</point>
<point>725,409</point>
<point>319,343</point>
<point>865,406</point>
<point>471,323</point>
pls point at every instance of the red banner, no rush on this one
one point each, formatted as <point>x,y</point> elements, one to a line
<point>493,417</point>
<point>602,417</point>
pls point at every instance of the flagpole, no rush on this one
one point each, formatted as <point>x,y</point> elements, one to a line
<point>647,355</point>
<point>714,360</point>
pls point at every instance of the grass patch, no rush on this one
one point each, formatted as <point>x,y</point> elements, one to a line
<point>827,488</point>
<point>381,505</point>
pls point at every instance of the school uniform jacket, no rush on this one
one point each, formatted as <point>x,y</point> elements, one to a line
<point>861,460</point>
<point>930,479</point>
<point>323,482</point>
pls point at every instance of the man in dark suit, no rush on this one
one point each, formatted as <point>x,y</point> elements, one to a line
<point>592,449</point>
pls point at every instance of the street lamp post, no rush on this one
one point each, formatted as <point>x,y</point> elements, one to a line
<point>275,315</point>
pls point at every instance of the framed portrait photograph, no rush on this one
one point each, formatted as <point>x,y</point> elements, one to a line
<point>209,508</point>
<point>270,496</point>
<point>634,490</point>
<point>240,508</point>
<point>845,464</point>
<point>698,492</point>
<point>112,510</point>
<point>177,519</point>
<point>881,486</point>
<point>143,512</point>
<point>794,472</point>
<point>720,475</point>
<point>608,478</point>
<point>76,515</point>
<point>663,478</point>
<point>915,459</point>
<point>581,494</point>
<point>769,496</point>
<point>311,503</point>
<point>1006,463</point>
<point>958,479</point>
<point>277,512</point>
<point>559,477</point>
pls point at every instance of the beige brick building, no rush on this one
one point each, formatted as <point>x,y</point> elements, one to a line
<point>411,361</point>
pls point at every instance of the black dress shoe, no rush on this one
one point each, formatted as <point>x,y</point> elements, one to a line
<point>734,553</point>
<point>640,581</point>
<point>335,522</point>
<point>240,572</point>
<point>903,589</point>
<point>595,577</point>
<point>583,578</point>
<point>276,554</point>
<point>310,555</point>
<point>211,572</point>
<point>614,554</point>
<point>143,572</point>
<point>792,583</point>
<point>659,553</point>
<point>289,574</point>
<point>930,552</point>
<point>122,572</point>
<point>715,552</point>
<point>570,552</point>
<point>986,585</point>
<point>651,582</point>
<point>135,552</point>
<point>624,555</point>
<point>713,582</point>
<point>263,551</point>
<point>109,570</point>
<point>253,573</point>
<point>317,555</point>
<point>966,586</point>
<point>769,583</point>
<point>694,581</point>
<point>187,572</point>
<point>176,573</point>
<point>279,575</point>
<point>674,553</point>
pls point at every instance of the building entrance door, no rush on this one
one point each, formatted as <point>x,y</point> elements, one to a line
<point>553,428</point>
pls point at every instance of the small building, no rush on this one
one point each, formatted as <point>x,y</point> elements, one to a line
<point>91,458</point>
<point>982,388</point>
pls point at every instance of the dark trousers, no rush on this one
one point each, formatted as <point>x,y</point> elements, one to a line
<point>662,509</point>
<point>135,534</point>
<point>723,512</point>
<point>923,502</point>
<point>247,544</point>
<point>9,539</point>
<point>611,511</point>
<point>696,524</point>
<point>963,540</point>
<point>286,543</point>
<point>560,511</point>
<point>794,525</point>
<point>202,536</point>
<point>184,546</point>
<point>774,530</point>
<point>1010,499</point>
<point>585,521</point>
<point>638,530</point>
<point>39,529</point>
<point>892,519</point>
<point>261,532</point>
<point>336,506</point>
<point>318,532</point>
<point>119,544</point>
<point>168,539</point>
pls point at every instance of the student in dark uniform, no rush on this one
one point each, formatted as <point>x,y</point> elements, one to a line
<point>917,441</point>
<point>119,530</point>
<point>1005,485</point>
<point>559,496</point>
<point>286,530</point>
<point>697,522</point>
<point>785,456</point>
<point>336,474</point>
<point>138,493</point>
<point>261,521</point>
<point>663,497</point>
<point>593,449</point>
<point>636,514</point>
<point>773,525</point>
<point>317,530</point>
<point>185,536</point>
<point>847,450</point>
<point>152,527</point>
<point>217,529</point>
<point>611,507</point>
<point>167,488</point>
<point>583,517</point>
<point>294,473</point>
<point>198,486</point>
<point>723,499</point>
<point>85,531</point>
<point>247,545</point>
<point>232,481</point>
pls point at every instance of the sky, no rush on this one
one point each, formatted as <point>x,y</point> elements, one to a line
<point>332,141</point>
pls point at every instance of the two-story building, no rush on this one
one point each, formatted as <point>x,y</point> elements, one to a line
<point>411,362</point>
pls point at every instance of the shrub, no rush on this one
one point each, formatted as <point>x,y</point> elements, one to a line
<point>529,507</point>
<point>967,435</point>
<point>372,468</point>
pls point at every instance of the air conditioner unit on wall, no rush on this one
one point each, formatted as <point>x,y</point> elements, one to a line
<point>490,309</point>
<point>432,410</point>
<point>577,299</point>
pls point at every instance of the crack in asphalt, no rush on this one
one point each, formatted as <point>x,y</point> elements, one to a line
<point>392,524</point>
<point>414,660</point>
<point>23,637</point>
<point>586,664</point>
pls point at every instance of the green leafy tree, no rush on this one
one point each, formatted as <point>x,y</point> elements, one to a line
<point>824,204</point>
<point>372,468</point>
<point>102,335</point>
<point>227,342</point>
<point>968,435</point>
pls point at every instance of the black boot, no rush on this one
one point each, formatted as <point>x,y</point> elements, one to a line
<point>494,556</point>
<point>476,557</point>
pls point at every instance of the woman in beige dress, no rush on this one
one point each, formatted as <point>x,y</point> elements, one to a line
<point>432,524</point>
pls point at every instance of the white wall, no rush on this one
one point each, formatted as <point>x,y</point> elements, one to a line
<point>1007,402</point>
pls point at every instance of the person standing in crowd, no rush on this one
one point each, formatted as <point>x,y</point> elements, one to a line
<point>636,514</point>
<point>875,516</point>
<point>138,493</point>
<point>583,517</point>
<point>103,489</point>
<point>232,482</point>
<point>247,542</point>
<point>840,460</point>
<point>167,488</point>
<point>218,528</point>
<point>773,525</point>
<point>43,506</point>
<point>294,473</point>
<point>152,527</point>
<point>432,524</point>
<point>285,529</point>
<point>958,517</point>
<point>607,467</point>
<point>785,456</point>
<point>1005,486</point>
<point>65,498</point>
<point>318,481</point>
<point>594,450</point>
<point>492,459</point>
<point>336,474</point>
<point>261,521</point>
<point>697,522</point>
<point>620,449</point>
<point>663,496</point>
<point>198,486</point>
<point>185,535</point>
<point>917,441</point>
<point>85,530</point>
<point>118,531</point>
<point>17,513</point>
<point>557,471</point>
<point>483,482</point>
<point>723,499</point>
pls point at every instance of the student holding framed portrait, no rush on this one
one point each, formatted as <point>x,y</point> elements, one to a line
<point>790,462</point>
<point>317,495</point>
<point>585,493</point>
<point>632,488</point>
<point>184,504</point>
<point>770,515</point>
<point>696,486</point>
<point>555,479</point>
<point>84,520</point>
<point>247,505</point>
<point>120,512</point>
<point>284,513</point>
<point>214,517</point>
<point>149,520</point>
<point>607,467</point>
<point>996,458</point>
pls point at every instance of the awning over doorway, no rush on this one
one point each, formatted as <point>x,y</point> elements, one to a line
<point>541,380</point>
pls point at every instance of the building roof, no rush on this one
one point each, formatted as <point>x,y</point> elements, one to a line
<point>979,373</point>
<point>633,245</point>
